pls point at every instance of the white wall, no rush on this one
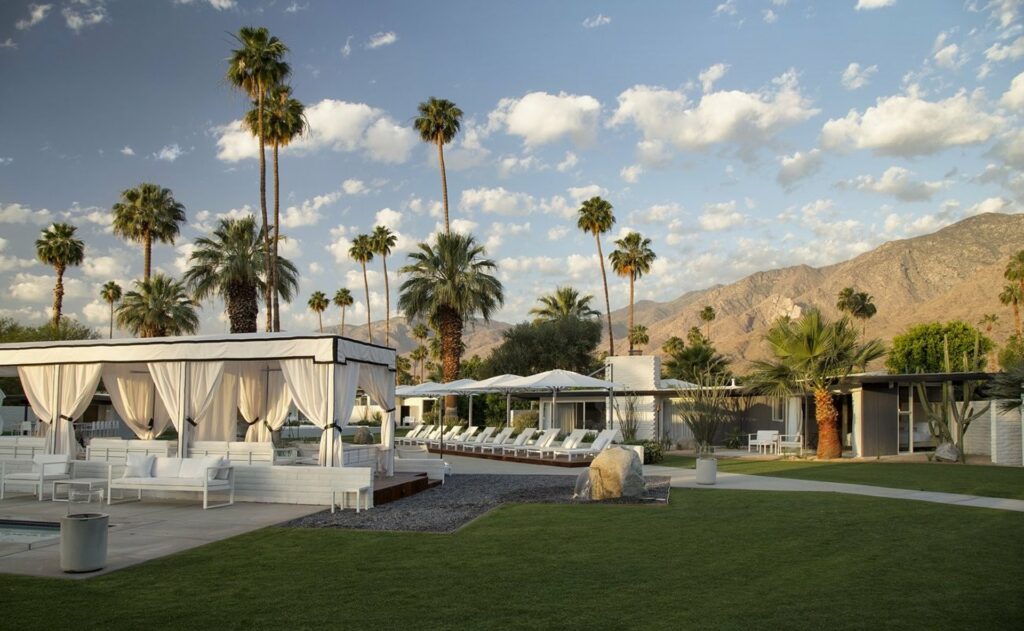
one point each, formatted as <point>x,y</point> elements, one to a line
<point>1005,436</point>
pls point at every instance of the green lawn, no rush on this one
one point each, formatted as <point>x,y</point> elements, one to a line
<point>988,481</point>
<point>711,559</point>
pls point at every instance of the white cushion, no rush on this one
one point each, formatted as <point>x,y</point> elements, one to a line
<point>139,466</point>
<point>157,482</point>
<point>166,467</point>
<point>223,473</point>
<point>192,468</point>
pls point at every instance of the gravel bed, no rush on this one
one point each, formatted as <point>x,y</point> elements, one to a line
<point>463,498</point>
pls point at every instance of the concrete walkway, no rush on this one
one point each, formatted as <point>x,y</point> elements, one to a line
<point>686,478</point>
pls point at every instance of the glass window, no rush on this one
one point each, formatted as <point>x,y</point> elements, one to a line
<point>779,409</point>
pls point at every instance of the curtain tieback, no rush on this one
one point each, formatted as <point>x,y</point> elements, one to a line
<point>66,418</point>
<point>389,410</point>
<point>188,419</point>
<point>253,422</point>
<point>149,424</point>
<point>333,425</point>
<point>267,423</point>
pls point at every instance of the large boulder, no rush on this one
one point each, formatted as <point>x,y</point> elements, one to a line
<point>616,473</point>
<point>363,436</point>
<point>947,452</point>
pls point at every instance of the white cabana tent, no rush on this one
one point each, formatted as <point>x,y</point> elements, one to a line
<point>555,381</point>
<point>198,383</point>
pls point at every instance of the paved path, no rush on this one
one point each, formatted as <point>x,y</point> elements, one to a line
<point>687,478</point>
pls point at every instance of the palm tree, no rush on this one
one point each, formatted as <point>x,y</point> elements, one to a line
<point>233,264</point>
<point>566,302</point>
<point>343,299</point>
<point>707,316</point>
<point>448,284</point>
<point>421,333</point>
<point>638,336</point>
<point>110,294</point>
<point>988,320</point>
<point>438,123</point>
<point>382,240</point>
<point>254,67</point>
<point>673,345</point>
<point>146,213</point>
<point>858,304</point>
<point>1012,295</point>
<point>419,354</point>
<point>284,120</point>
<point>158,307</point>
<point>691,362</point>
<point>361,251</point>
<point>318,304</point>
<point>1015,272</point>
<point>812,355</point>
<point>58,247</point>
<point>632,260</point>
<point>595,217</point>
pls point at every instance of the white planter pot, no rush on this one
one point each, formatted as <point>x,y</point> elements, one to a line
<point>707,470</point>
<point>83,542</point>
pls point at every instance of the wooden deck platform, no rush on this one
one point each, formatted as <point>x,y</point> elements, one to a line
<point>550,462</point>
<point>400,485</point>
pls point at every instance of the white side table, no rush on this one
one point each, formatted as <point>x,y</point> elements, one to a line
<point>84,484</point>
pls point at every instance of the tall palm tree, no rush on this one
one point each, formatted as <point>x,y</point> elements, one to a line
<point>58,247</point>
<point>448,284</point>
<point>232,263</point>
<point>146,213</point>
<point>254,67</point>
<point>813,354</point>
<point>420,332</point>
<point>419,354</point>
<point>110,294</point>
<point>318,304</point>
<point>858,304</point>
<point>438,123</point>
<point>361,252</point>
<point>632,260</point>
<point>707,316</point>
<point>158,307</point>
<point>595,217</point>
<point>1015,272</point>
<point>382,241</point>
<point>1013,296</point>
<point>689,363</point>
<point>638,336</point>
<point>343,299</point>
<point>565,302</point>
<point>284,120</point>
<point>988,320</point>
<point>673,345</point>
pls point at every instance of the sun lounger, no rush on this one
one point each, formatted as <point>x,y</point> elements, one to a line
<point>426,436</point>
<point>509,448</point>
<point>547,437</point>
<point>470,445</point>
<point>602,442</point>
<point>412,433</point>
<point>449,436</point>
<point>498,439</point>
<point>571,441</point>
<point>462,438</point>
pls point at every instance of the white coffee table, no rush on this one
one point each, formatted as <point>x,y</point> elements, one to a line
<point>83,484</point>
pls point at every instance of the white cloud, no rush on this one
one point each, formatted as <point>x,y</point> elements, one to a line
<point>580,194</point>
<point>339,245</point>
<point>127,151</point>
<point>653,153</point>
<point>557,233</point>
<point>295,7</point>
<point>1014,97</point>
<point>37,287</point>
<point>710,75</point>
<point>539,118</point>
<point>353,186</point>
<point>498,231</point>
<point>346,50</point>
<point>308,212</point>
<point>567,163</point>
<point>991,205</point>
<point>9,44</point>
<point>797,167</point>
<point>898,182</point>
<point>96,312</point>
<point>508,165</point>
<point>948,56</point>
<point>867,5</point>
<point>726,8</point>
<point>181,260</point>
<point>388,218</point>
<point>36,14</point>
<point>335,125</point>
<point>290,247</point>
<point>433,209</point>
<point>1011,52</point>
<point>1010,148</point>
<point>720,216</point>
<point>909,125</point>
<point>657,214</point>
<point>595,21</point>
<point>855,77</point>
<point>84,13</point>
<point>105,267</point>
<point>220,5</point>
<point>169,153</point>
<point>748,119</point>
<point>8,263</point>
<point>315,268</point>
<point>462,226</point>
<point>497,201</point>
<point>381,38</point>
<point>16,213</point>
<point>631,173</point>
<point>769,16</point>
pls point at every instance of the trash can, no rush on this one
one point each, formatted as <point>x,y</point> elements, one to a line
<point>83,533</point>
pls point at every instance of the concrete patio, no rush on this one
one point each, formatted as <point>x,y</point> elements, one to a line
<point>139,531</point>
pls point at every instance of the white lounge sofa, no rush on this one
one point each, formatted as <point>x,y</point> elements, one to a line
<point>21,447</point>
<point>117,449</point>
<point>209,473</point>
<point>419,460</point>
<point>247,453</point>
<point>46,469</point>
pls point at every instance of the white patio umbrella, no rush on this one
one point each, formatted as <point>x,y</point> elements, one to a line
<point>495,384</point>
<point>444,389</point>
<point>555,381</point>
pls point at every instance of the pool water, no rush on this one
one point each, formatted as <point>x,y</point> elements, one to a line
<point>27,532</point>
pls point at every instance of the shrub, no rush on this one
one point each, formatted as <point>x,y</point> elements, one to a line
<point>653,453</point>
<point>734,439</point>
<point>589,437</point>
<point>1012,352</point>
<point>922,348</point>
<point>527,418</point>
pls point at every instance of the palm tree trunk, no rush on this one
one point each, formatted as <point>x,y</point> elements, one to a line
<point>277,236</point>
<point>242,306</point>
<point>825,414</point>
<point>1016,316</point>
<point>631,281</point>
<point>58,296</point>
<point>387,304</point>
<point>343,321</point>
<point>444,183</point>
<point>147,255</point>
<point>111,335</point>
<point>607,302</point>
<point>366,287</point>
<point>451,342</point>
<point>268,291</point>
<point>320,317</point>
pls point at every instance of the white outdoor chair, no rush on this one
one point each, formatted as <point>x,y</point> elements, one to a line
<point>520,440</point>
<point>498,439</point>
<point>766,441</point>
<point>46,469</point>
<point>791,441</point>
<point>463,438</point>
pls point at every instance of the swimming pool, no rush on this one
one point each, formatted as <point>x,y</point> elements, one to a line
<point>28,532</point>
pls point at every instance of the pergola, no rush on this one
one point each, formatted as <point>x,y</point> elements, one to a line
<point>200,384</point>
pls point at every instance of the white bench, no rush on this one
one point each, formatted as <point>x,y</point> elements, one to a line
<point>247,453</point>
<point>117,449</point>
<point>418,460</point>
<point>791,441</point>
<point>21,447</point>
<point>178,474</point>
<point>358,480</point>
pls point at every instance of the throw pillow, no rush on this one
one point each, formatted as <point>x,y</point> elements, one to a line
<point>139,466</point>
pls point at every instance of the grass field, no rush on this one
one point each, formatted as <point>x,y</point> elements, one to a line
<point>711,559</point>
<point>989,481</point>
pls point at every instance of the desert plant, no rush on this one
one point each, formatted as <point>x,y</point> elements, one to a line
<point>630,419</point>
<point>948,418</point>
<point>734,438</point>
<point>706,408</point>
<point>524,419</point>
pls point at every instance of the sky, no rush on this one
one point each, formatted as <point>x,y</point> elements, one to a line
<point>738,136</point>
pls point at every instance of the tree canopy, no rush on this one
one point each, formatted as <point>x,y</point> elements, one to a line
<point>922,347</point>
<point>531,347</point>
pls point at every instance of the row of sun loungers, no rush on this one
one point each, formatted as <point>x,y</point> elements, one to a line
<point>528,444</point>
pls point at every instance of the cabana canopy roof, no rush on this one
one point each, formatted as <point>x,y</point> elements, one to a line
<point>555,380</point>
<point>496,383</point>
<point>321,348</point>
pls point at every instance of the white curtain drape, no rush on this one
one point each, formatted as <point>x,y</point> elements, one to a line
<point>220,420</point>
<point>325,394</point>
<point>263,399</point>
<point>133,395</point>
<point>203,385</point>
<point>77,386</point>
<point>379,383</point>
